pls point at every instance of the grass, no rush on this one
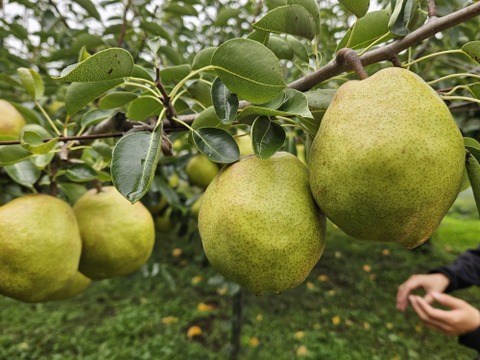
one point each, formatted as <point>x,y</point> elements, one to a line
<point>345,310</point>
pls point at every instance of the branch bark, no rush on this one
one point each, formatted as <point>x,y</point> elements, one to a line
<point>388,52</point>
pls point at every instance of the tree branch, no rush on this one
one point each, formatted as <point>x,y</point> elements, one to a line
<point>388,52</point>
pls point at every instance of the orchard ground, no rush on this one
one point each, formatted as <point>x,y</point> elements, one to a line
<point>179,308</point>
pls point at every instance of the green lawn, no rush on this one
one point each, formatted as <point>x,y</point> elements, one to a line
<point>345,309</point>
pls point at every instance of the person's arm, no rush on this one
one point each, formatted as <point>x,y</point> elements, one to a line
<point>464,272</point>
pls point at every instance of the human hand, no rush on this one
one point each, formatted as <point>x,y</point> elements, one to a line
<point>432,282</point>
<point>461,319</point>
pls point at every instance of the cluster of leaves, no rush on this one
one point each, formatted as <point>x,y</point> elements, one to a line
<point>212,67</point>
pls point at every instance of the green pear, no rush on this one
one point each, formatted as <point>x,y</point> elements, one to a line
<point>244,142</point>
<point>117,237</point>
<point>76,286</point>
<point>259,224</point>
<point>11,121</point>
<point>201,170</point>
<point>40,247</point>
<point>388,159</point>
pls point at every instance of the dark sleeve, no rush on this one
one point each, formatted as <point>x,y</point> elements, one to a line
<point>471,339</point>
<point>464,272</point>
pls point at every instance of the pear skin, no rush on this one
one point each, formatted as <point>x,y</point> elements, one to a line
<point>259,224</point>
<point>40,247</point>
<point>388,159</point>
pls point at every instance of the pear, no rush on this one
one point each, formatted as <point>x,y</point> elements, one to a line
<point>388,159</point>
<point>259,224</point>
<point>201,170</point>
<point>76,286</point>
<point>11,121</point>
<point>117,237</point>
<point>40,247</point>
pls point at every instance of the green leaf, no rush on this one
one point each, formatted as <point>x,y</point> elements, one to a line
<point>182,10</point>
<point>267,137</point>
<point>208,119</point>
<point>298,48</point>
<point>33,142</point>
<point>140,72</point>
<point>311,6</point>
<point>367,30</point>
<point>475,89</point>
<point>174,74</point>
<point>290,19</point>
<point>24,173</point>
<point>472,146</point>
<point>80,95</point>
<point>403,14</point>
<point>249,70</point>
<point>259,35</point>
<point>32,82</point>
<point>280,48</point>
<point>225,102</point>
<point>156,30</point>
<point>10,154</point>
<point>143,107</point>
<point>80,173</point>
<point>293,104</point>
<point>472,49</point>
<point>90,8</point>
<point>226,14</point>
<point>358,7</point>
<point>73,192</point>
<point>95,116</point>
<point>473,171</point>
<point>203,58</point>
<point>134,161</point>
<point>116,99</point>
<point>217,144</point>
<point>105,65</point>
<point>201,92</point>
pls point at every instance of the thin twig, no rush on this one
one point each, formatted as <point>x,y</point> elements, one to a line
<point>123,30</point>
<point>62,18</point>
<point>432,9</point>
<point>171,113</point>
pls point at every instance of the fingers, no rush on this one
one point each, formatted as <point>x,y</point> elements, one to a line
<point>433,318</point>
<point>447,300</point>
<point>404,290</point>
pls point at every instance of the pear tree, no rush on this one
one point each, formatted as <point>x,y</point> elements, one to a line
<point>126,92</point>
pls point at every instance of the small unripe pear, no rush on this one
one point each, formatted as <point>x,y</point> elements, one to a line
<point>11,121</point>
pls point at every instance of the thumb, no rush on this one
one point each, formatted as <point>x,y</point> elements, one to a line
<point>447,300</point>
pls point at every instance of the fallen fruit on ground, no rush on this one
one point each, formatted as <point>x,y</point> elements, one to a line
<point>388,159</point>
<point>117,237</point>
<point>259,224</point>
<point>201,170</point>
<point>11,121</point>
<point>39,247</point>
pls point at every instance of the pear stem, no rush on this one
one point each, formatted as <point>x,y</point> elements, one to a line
<point>351,57</point>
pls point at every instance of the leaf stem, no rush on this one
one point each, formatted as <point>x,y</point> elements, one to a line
<point>142,87</point>
<point>426,57</point>
<point>452,76</point>
<point>189,76</point>
<point>465,98</point>
<point>49,119</point>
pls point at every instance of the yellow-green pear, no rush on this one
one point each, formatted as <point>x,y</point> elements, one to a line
<point>11,121</point>
<point>244,142</point>
<point>388,159</point>
<point>117,237</point>
<point>201,170</point>
<point>76,286</point>
<point>259,224</point>
<point>40,247</point>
